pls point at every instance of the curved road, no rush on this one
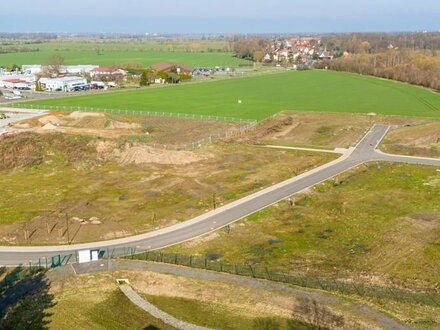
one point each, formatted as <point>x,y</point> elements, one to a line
<point>364,152</point>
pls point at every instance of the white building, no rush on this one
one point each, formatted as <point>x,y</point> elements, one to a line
<point>32,69</point>
<point>16,80</point>
<point>77,69</point>
<point>64,69</point>
<point>66,84</point>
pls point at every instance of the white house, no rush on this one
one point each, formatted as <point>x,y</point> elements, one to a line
<point>66,84</point>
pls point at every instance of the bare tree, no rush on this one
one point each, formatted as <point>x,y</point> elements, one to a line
<point>53,64</point>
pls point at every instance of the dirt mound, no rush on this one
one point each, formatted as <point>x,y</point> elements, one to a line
<point>20,151</point>
<point>49,126</point>
<point>114,124</point>
<point>93,122</point>
<point>51,119</point>
<point>80,115</point>
<point>145,154</point>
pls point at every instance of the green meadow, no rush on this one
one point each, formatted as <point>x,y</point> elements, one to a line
<point>145,54</point>
<point>265,95</point>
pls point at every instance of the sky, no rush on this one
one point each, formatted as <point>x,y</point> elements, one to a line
<point>218,16</point>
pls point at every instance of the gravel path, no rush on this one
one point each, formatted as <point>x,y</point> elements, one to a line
<point>156,312</point>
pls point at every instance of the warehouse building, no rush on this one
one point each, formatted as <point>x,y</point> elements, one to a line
<point>65,84</point>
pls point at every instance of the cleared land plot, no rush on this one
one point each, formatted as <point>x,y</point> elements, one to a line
<point>131,54</point>
<point>263,96</point>
<point>420,140</point>
<point>110,190</point>
<point>318,130</point>
<point>150,130</point>
<point>378,224</point>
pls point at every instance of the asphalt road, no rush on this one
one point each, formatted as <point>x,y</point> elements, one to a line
<point>17,115</point>
<point>364,152</point>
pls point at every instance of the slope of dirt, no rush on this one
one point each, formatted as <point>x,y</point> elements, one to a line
<point>145,154</point>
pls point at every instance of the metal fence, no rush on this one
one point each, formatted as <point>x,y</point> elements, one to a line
<point>302,280</point>
<point>427,298</point>
<point>128,112</point>
<point>234,132</point>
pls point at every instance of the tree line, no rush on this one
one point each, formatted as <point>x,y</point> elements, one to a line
<point>381,41</point>
<point>402,65</point>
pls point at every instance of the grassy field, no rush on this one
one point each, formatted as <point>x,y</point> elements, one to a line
<point>95,302</point>
<point>375,223</point>
<point>263,96</point>
<point>144,54</point>
<point>418,140</point>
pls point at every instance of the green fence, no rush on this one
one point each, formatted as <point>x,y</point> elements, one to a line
<point>306,281</point>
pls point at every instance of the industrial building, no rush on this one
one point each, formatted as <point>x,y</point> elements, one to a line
<point>66,84</point>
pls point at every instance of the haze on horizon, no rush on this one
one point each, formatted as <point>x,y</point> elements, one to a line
<point>219,16</point>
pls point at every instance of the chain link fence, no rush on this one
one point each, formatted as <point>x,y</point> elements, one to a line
<point>346,287</point>
<point>232,133</point>
<point>302,280</point>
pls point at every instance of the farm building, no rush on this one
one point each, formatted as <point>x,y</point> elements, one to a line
<point>65,84</point>
<point>170,66</point>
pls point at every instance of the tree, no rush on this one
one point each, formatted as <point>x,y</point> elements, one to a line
<point>38,87</point>
<point>54,64</point>
<point>144,79</point>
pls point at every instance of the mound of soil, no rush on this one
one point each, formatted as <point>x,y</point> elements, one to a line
<point>145,154</point>
<point>51,119</point>
<point>29,149</point>
<point>80,115</point>
<point>121,125</point>
<point>20,151</point>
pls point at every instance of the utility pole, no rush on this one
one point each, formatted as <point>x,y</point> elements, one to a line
<point>214,202</point>
<point>68,232</point>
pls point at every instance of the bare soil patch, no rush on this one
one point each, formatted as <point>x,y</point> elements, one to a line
<point>155,131</point>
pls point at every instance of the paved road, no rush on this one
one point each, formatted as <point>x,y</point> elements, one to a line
<point>364,152</point>
<point>17,115</point>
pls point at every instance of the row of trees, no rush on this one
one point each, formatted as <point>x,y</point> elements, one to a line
<point>407,66</point>
<point>16,49</point>
<point>378,42</point>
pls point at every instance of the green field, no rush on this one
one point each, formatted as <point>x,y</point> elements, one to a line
<point>145,54</point>
<point>263,96</point>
